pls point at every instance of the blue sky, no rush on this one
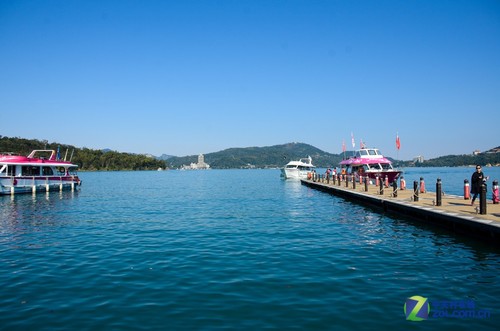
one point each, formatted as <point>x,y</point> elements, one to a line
<point>190,77</point>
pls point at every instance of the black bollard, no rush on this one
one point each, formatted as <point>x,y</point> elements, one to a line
<point>438,192</point>
<point>339,179</point>
<point>366,184</point>
<point>395,189</point>
<point>415,190</point>
<point>482,199</point>
<point>381,189</point>
<point>353,182</point>
<point>346,180</point>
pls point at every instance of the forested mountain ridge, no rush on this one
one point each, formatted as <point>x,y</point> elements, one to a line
<point>486,158</point>
<point>261,157</point>
<point>85,158</point>
<point>232,158</point>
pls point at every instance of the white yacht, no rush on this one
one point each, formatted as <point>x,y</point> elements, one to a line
<point>298,169</point>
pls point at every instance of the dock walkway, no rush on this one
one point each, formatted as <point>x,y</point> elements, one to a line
<point>455,212</point>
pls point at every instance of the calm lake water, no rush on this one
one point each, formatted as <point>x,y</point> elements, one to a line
<point>232,249</point>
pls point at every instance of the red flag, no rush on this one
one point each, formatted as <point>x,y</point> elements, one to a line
<point>343,146</point>
<point>398,143</point>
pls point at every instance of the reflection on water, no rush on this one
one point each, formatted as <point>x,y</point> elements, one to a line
<point>40,208</point>
<point>293,188</point>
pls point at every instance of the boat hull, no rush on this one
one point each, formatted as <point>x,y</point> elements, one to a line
<point>391,175</point>
<point>20,185</point>
<point>295,173</point>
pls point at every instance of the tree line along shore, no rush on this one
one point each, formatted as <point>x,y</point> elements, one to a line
<point>233,158</point>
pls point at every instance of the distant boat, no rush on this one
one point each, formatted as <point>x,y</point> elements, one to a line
<point>42,170</point>
<point>370,162</point>
<point>298,169</point>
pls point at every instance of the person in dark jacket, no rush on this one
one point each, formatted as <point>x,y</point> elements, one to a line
<point>477,179</point>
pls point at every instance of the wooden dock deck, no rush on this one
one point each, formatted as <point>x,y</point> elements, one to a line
<point>455,212</point>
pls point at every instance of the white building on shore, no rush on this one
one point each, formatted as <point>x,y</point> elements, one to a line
<point>200,165</point>
<point>418,159</point>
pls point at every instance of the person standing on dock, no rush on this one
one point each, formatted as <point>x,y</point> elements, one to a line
<point>477,179</point>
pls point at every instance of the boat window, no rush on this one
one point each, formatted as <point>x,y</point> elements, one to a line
<point>363,152</point>
<point>372,152</point>
<point>47,171</point>
<point>61,171</point>
<point>11,170</point>
<point>386,166</point>
<point>30,171</point>
<point>72,171</point>
<point>375,166</point>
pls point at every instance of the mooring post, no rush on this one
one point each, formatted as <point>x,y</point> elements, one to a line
<point>422,185</point>
<point>494,194</point>
<point>402,186</point>
<point>438,192</point>
<point>466,189</point>
<point>482,199</point>
<point>395,188</point>
<point>415,190</point>
<point>381,189</point>
<point>366,184</point>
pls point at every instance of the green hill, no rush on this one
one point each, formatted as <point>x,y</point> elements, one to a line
<point>260,157</point>
<point>232,158</point>
<point>458,160</point>
<point>85,158</point>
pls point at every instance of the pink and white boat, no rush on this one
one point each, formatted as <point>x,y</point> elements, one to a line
<point>41,171</point>
<point>369,162</point>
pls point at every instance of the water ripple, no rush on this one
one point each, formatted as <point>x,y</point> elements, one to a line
<point>186,250</point>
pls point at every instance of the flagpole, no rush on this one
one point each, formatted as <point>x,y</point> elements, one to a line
<point>353,144</point>
<point>343,147</point>
<point>398,146</point>
<point>397,149</point>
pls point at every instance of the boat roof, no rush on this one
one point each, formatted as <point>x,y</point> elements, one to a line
<point>34,160</point>
<point>361,161</point>
<point>302,162</point>
<point>366,156</point>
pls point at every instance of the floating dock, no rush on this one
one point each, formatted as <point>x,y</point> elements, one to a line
<point>450,211</point>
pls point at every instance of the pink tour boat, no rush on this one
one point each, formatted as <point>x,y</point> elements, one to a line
<point>369,162</point>
<point>41,171</point>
